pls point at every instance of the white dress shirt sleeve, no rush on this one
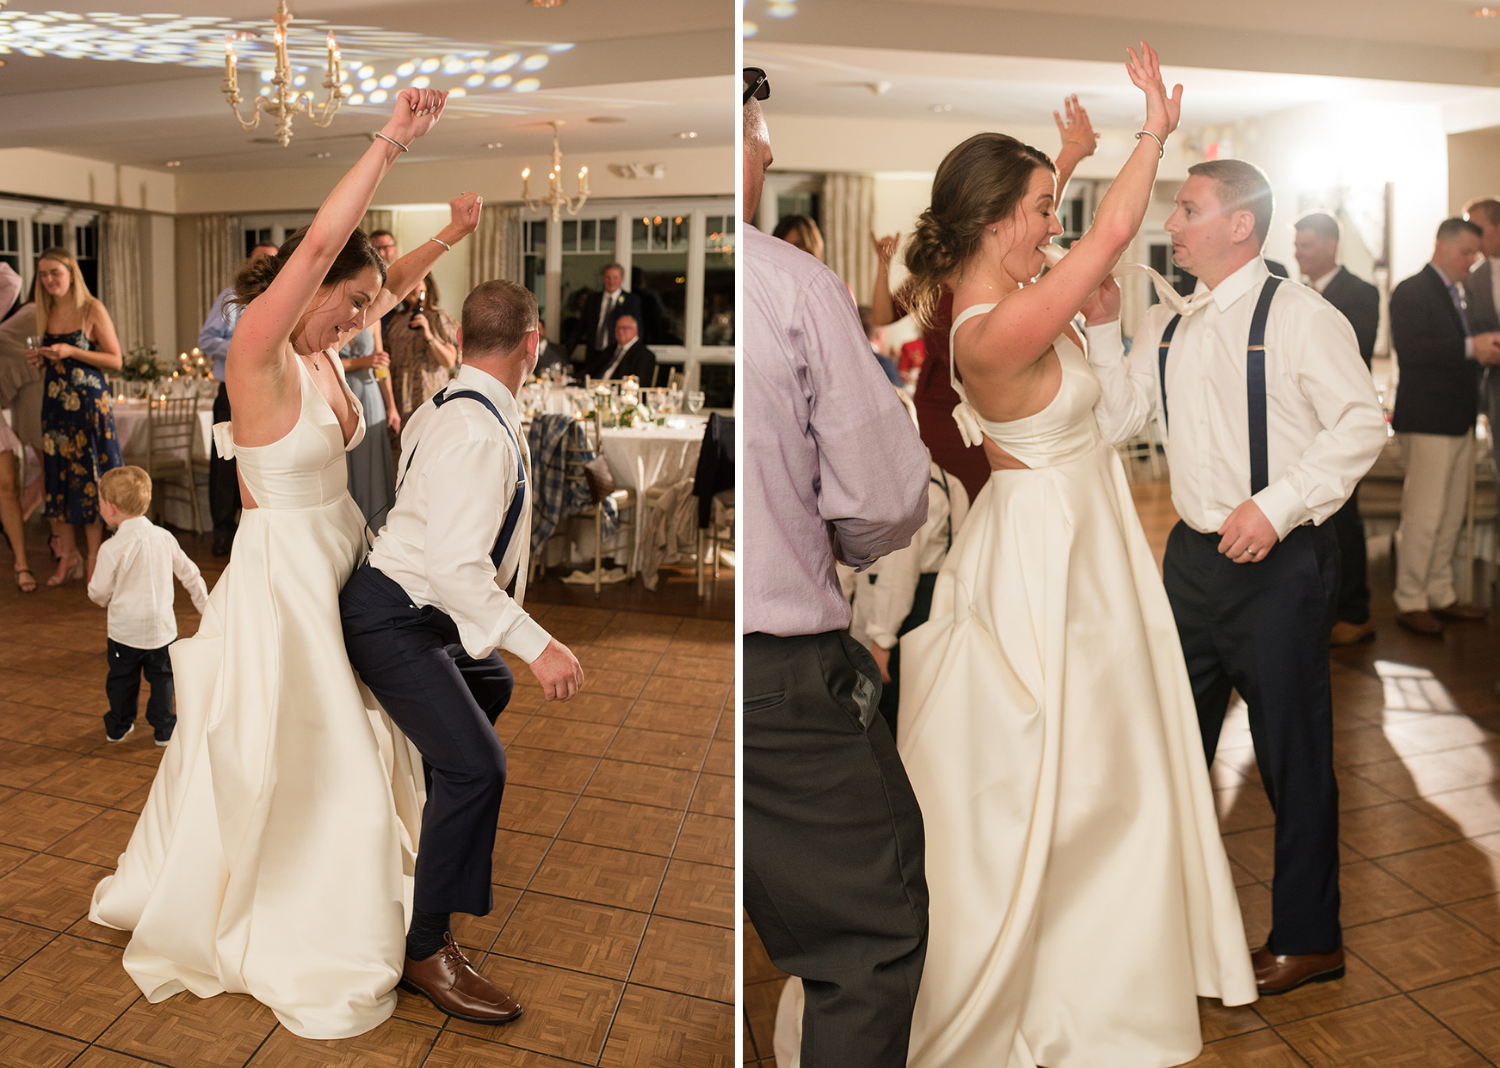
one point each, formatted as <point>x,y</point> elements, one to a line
<point>1328,369</point>
<point>460,533</point>
<point>102,585</point>
<point>191,578</point>
<point>1127,390</point>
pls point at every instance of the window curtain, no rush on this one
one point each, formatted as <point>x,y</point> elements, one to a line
<point>495,248</point>
<point>848,211</point>
<point>123,275</point>
<point>221,249</point>
<point>378,219</point>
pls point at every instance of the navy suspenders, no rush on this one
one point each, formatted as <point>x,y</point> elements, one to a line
<point>1255,382</point>
<point>518,499</point>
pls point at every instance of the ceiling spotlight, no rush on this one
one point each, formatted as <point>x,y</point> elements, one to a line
<point>546,3</point>
<point>174,163</point>
<point>1485,12</point>
<point>687,135</point>
<point>942,107</point>
<point>494,144</point>
<point>322,155</point>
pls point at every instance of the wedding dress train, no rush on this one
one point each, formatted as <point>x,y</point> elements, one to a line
<point>275,853</point>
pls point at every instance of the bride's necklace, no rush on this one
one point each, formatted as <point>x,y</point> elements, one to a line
<point>316,366</point>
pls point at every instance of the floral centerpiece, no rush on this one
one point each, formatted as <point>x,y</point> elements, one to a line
<point>140,365</point>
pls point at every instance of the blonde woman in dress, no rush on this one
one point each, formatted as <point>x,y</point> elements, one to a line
<point>1081,899</point>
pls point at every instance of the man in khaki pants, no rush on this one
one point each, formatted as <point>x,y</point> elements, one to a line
<point>1437,402</point>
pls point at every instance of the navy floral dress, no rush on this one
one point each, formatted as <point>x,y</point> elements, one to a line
<point>78,434</point>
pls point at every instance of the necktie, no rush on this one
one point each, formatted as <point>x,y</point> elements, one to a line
<point>1181,305</point>
<point>1458,302</point>
<point>601,340</point>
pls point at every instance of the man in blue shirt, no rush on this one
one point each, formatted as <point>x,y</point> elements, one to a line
<point>223,480</point>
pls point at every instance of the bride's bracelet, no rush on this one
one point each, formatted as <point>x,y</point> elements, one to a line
<point>440,241</point>
<point>1161,146</point>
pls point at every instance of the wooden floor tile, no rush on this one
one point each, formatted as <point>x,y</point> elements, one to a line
<point>99,1057</point>
<point>99,841</point>
<point>1361,984</point>
<point>48,891</point>
<point>1474,811</point>
<point>70,986</point>
<point>756,962</point>
<point>396,1043</point>
<point>30,1047</point>
<point>477,933</point>
<point>706,840</point>
<point>1357,792</point>
<point>605,709</point>
<point>708,695</point>
<point>1435,733</point>
<point>189,1032</point>
<point>626,781</point>
<point>720,759</point>
<point>36,821</point>
<point>655,1029</point>
<point>1483,914</point>
<point>655,623</point>
<point>575,736</point>
<point>1259,1049</point>
<point>97,781</point>
<point>690,649</point>
<point>22,765</point>
<point>530,810</point>
<point>1394,1033</point>
<point>567,1014</point>
<point>627,684</point>
<point>564,933</point>
<point>760,1001</point>
<point>622,825</point>
<point>602,657</point>
<point>687,958</point>
<point>1457,871</point>
<point>1470,1007</point>
<point>516,857</point>
<point>703,893</point>
<point>1218,1020</point>
<point>97,932</point>
<point>675,718</point>
<point>1243,808</point>
<point>656,644</point>
<point>1422,948</point>
<point>1255,911</point>
<point>600,875</point>
<point>714,795</point>
<point>1368,745</point>
<point>454,1050</point>
<point>1368,892</point>
<point>660,748</point>
<point>702,670</point>
<point>19,942</point>
<point>547,769</point>
<point>1385,829</point>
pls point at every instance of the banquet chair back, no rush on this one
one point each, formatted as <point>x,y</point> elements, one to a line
<point>581,451</point>
<point>171,424</point>
<point>713,485</point>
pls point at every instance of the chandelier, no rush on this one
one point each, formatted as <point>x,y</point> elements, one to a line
<point>283,101</point>
<point>556,199</point>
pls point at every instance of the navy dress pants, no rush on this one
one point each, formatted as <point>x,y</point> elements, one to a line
<point>123,685</point>
<point>1262,629</point>
<point>446,702</point>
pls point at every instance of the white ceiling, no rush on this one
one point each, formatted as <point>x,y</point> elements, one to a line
<point>1012,61</point>
<point>661,66</point>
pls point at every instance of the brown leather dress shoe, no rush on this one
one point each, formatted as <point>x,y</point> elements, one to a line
<point>1351,634</point>
<point>448,980</point>
<point>1458,612</point>
<point>1277,975</point>
<point>1422,622</point>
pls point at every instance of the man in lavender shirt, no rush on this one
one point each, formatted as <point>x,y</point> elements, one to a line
<point>834,470</point>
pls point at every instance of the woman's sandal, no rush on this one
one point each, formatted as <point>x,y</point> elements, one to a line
<point>73,569</point>
<point>28,584</point>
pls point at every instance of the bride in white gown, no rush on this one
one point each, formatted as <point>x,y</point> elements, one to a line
<point>1080,895</point>
<point>275,853</point>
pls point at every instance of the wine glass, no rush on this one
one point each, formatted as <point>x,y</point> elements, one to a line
<point>695,401</point>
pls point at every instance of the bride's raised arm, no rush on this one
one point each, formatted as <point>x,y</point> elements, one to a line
<point>256,369</point>
<point>1027,323</point>
<point>410,269</point>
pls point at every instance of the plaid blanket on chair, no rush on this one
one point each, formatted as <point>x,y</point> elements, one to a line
<point>555,498</point>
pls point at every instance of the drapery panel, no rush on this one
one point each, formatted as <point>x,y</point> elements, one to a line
<point>123,277</point>
<point>848,212</point>
<point>220,247</point>
<point>495,248</point>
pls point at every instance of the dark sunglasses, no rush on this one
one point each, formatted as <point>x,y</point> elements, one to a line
<point>757,85</point>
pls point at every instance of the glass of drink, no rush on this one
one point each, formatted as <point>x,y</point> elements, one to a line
<point>695,401</point>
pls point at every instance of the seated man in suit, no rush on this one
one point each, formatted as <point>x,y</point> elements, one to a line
<point>1437,403</point>
<point>630,357</point>
<point>1317,246</point>
<point>600,311</point>
<point>550,358</point>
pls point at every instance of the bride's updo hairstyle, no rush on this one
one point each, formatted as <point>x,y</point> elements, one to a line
<point>981,181</point>
<point>357,255</point>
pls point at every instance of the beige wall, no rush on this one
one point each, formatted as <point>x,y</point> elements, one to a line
<point>1473,167</point>
<point>689,171</point>
<point>41,173</point>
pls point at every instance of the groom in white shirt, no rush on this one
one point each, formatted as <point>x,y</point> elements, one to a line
<point>425,614</point>
<point>1272,419</point>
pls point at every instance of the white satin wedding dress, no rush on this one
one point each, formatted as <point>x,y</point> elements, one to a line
<point>1080,894</point>
<point>275,853</point>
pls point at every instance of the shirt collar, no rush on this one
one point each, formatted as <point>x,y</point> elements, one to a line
<point>1242,281</point>
<point>483,382</point>
<point>1446,280</point>
<point>1321,284</point>
<point>622,349</point>
<point>133,526</point>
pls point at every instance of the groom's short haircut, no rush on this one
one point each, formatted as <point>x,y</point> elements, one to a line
<point>1242,187</point>
<point>496,316</point>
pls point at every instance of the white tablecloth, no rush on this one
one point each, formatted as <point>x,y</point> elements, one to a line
<point>646,457</point>
<point>130,421</point>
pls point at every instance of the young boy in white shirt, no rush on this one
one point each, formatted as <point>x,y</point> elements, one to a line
<point>134,579</point>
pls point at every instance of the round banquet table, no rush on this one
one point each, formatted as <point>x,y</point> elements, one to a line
<point>130,428</point>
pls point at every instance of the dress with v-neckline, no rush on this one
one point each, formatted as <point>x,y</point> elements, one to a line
<point>275,851</point>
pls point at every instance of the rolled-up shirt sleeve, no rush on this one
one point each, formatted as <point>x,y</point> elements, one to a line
<point>1127,389</point>
<point>461,530</point>
<point>872,465</point>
